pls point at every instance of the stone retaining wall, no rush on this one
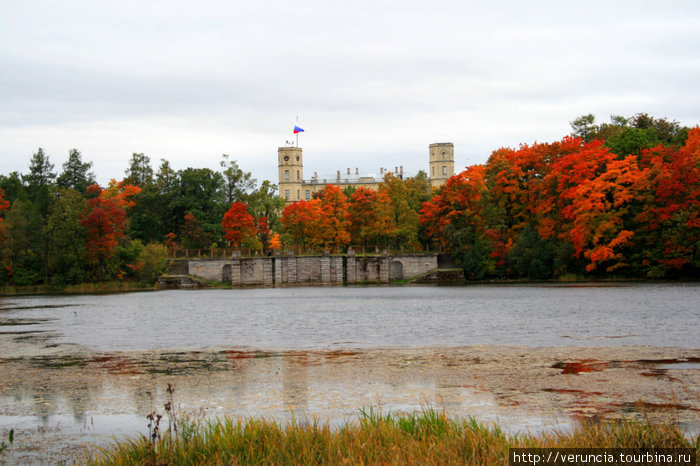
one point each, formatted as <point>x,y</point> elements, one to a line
<point>312,270</point>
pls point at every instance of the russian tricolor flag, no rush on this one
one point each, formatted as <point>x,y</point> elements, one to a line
<point>297,129</point>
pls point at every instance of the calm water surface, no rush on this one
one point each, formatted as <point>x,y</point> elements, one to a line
<point>304,318</point>
<point>66,412</point>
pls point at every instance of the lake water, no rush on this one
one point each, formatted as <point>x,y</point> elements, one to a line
<point>51,412</point>
<point>319,318</point>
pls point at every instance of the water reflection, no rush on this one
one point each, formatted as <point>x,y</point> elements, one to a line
<point>279,385</point>
<point>295,389</point>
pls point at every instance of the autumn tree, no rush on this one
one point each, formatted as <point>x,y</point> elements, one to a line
<point>669,218</point>
<point>333,227</point>
<point>301,222</point>
<point>238,225</point>
<point>362,216</point>
<point>397,218</point>
<point>454,219</point>
<point>263,234</point>
<point>4,205</point>
<point>595,189</point>
<point>275,242</point>
<point>106,221</point>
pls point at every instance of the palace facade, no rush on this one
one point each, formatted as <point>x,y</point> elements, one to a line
<point>294,187</point>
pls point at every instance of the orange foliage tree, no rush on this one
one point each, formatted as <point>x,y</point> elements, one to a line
<point>301,222</point>
<point>333,219</point>
<point>275,242</point>
<point>362,215</point>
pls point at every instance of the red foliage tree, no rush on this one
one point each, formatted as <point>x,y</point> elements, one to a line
<point>457,205</point>
<point>4,205</point>
<point>669,218</point>
<point>106,220</point>
<point>238,224</point>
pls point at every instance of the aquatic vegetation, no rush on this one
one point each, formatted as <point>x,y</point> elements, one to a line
<point>4,446</point>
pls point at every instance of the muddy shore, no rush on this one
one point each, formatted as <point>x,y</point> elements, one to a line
<point>87,394</point>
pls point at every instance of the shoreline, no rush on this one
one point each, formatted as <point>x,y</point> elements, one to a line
<point>518,387</point>
<point>133,287</point>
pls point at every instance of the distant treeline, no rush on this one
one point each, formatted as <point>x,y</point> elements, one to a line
<point>613,199</point>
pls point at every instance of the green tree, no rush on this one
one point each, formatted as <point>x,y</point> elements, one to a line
<point>40,171</point>
<point>154,260</point>
<point>13,187</point>
<point>584,127</point>
<point>237,183</point>
<point>67,257</point>
<point>76,174</point>
<point>166,178</point>
<point>632,141</point>
<point>140,172</point>
<point>20,250</point>
<point>265,202</point>
<point>200,193</point>
<point>151,218</point>
<point>531,256</point>
<point>40,187</point>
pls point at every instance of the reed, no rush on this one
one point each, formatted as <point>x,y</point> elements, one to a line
<point>429,437</point>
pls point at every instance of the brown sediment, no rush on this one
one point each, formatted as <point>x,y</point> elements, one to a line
<point>584,366</point>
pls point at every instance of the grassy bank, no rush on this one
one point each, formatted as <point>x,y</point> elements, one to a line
<point>427,438</point>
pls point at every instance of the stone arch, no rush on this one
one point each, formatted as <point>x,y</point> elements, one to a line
<point>396,271</point>
<point>226,275</point>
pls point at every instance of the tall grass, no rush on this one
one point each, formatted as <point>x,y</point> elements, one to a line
<point>429,437</point>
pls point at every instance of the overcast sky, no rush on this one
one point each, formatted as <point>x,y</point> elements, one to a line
<point>373,82</point>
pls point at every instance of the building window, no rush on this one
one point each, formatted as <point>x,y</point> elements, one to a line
<point>297,175</point>
<point>286,194</point>
<point>433,173</point>
<point>444,170</point>
<point>286,174</point>
<point>308,194</point>
<point>298,195</point>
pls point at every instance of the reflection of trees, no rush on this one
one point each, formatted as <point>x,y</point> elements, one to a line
<point>240,364</point>
<point>295,384</point>
<point>49,391</point>
<point>81,398</point>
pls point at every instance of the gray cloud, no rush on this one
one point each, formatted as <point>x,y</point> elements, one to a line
<point>373,81</point>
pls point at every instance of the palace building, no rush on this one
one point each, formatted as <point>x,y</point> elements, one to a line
<point>294,187</point>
